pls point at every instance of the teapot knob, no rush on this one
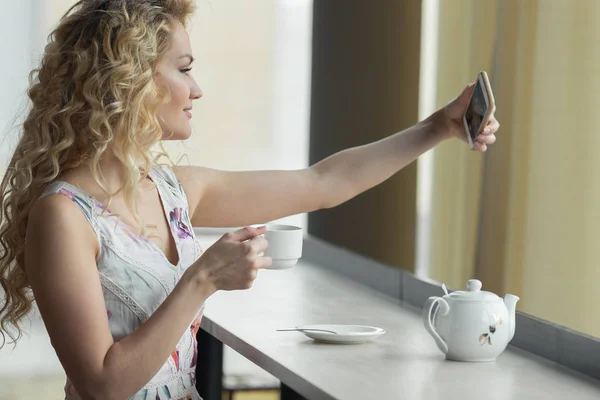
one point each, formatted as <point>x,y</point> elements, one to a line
<point>474,285</point>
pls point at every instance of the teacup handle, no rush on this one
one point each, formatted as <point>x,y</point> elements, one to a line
<point>444,309</point>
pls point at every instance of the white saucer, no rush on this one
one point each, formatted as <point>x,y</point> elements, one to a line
<point>345,334</point>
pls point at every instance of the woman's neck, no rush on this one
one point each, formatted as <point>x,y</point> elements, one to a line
<point>112,173</point>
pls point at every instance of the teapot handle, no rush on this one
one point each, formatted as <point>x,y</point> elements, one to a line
<point>444,309</point>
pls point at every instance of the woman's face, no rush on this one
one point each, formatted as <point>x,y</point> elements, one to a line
<point>173,72</point>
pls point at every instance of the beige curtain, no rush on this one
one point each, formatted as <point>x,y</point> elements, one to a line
<point>524,218</point>
<point>465,47</point>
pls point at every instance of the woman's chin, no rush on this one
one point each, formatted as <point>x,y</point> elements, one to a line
<point>178,136</point>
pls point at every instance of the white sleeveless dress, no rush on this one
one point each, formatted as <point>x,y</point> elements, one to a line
<point>136,278</point>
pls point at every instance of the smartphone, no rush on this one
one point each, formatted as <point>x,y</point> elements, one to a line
<point>480,108</point>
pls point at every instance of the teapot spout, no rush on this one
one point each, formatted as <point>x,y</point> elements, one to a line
<point>510,300</point>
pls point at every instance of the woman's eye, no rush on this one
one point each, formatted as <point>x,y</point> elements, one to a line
<point>185,70</point>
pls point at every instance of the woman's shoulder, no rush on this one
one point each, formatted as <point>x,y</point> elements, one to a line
<point>56,215</point>
<point>57,207</point>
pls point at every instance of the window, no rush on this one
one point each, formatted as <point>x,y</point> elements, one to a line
<point>523,217</point>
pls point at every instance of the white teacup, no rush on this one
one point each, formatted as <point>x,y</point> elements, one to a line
<point>285,245</point>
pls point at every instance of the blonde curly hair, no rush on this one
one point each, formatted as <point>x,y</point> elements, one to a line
<point>94,90</point>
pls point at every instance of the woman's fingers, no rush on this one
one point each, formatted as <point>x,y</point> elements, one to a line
<point>258,244</point>
<point>263,262</point>
<point>478,146</point>
<point>487,139</point>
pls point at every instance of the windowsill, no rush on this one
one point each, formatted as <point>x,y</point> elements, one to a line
<point>552,347</point>
<point>402,363</point>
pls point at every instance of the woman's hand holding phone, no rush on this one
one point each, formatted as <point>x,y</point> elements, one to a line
<point>470,116</point>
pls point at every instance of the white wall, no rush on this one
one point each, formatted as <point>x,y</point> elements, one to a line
<point>24,27</point>
<point>253,63</point>
<point>17,33</point>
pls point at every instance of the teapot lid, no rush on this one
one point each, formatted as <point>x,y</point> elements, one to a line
<point>473,293</point>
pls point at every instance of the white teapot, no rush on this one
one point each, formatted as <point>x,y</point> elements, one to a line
<point>471,325</point>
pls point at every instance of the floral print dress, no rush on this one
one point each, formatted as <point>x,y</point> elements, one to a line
<point>136,277</point>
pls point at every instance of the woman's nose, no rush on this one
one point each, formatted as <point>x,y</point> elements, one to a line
<point>196,92</point>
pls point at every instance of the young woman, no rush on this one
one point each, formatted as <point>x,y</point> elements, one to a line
<point>100,233</point>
